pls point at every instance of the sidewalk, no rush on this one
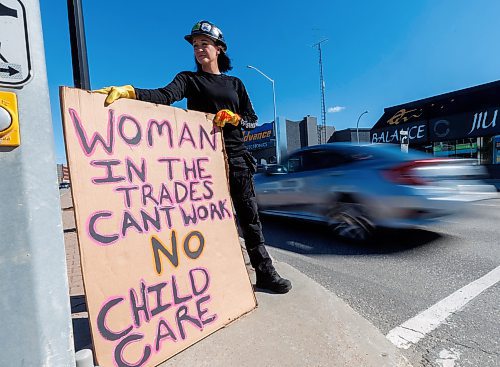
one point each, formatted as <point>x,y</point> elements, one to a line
<point>309,326</point>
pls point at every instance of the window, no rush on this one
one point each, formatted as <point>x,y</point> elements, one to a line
<point>316,159</point>
<point>294,163</point>
<point>462,148</point>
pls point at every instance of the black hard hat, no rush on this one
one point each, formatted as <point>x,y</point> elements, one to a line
<point>206,28</point>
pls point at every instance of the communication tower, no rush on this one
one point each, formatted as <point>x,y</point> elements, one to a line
<point>322,127</point>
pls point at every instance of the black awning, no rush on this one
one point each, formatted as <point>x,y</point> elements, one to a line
<point>465,113</point>
<point>471,124</point>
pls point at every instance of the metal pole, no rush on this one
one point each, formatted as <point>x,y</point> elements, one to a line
<point>35,305</point>
<point>81,76</point>
<point>357,126</point>
<point>276,129</point>
<point>278,152</point>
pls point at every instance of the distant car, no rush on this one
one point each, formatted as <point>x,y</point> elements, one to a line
<point>64,185</point>
<point>358,188</point>
<point>261,168</point>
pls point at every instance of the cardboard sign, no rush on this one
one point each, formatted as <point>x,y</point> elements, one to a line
<point>161,261</point>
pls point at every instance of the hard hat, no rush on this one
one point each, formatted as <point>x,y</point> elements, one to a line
<point>206,28</point>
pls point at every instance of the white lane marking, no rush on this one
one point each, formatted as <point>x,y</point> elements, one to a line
<point>447,358</point>
<point>411,331</point>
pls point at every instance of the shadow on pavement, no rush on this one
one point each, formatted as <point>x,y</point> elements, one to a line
<point>314,238</point>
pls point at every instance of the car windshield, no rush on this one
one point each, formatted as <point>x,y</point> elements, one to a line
<point>340,154</point>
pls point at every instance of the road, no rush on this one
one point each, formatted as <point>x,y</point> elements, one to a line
<point>440,281</point>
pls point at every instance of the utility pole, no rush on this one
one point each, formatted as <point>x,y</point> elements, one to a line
<point>322,90</point>
<point>79,60</point>
<point>35,306</point>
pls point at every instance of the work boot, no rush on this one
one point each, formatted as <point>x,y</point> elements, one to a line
<point>270,280</point>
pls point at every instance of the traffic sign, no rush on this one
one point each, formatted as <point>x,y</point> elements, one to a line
<point>404,140</point>
<point>15,59</point>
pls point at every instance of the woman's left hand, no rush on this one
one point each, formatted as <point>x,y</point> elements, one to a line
<point>226,116</point>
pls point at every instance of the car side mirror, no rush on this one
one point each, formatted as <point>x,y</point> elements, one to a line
<point>276,170</point>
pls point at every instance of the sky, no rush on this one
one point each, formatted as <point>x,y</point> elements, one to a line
<point>377,54</point>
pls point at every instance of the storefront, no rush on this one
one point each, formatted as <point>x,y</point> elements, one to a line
<point>463,123</point>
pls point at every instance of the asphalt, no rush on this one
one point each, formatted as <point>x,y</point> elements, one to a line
<point>494,181</point>
<point>309,326</point>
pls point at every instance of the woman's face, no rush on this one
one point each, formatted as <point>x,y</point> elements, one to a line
<point>205,50</point>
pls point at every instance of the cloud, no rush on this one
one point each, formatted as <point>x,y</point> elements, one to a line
<point>335,109</point>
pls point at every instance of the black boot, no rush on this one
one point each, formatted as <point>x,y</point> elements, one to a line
<point>270,280</point>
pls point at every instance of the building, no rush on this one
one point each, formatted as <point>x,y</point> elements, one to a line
<point>351,135</point>
<point>62,173</point>
<point>261,141</point>
<point>456,124</point>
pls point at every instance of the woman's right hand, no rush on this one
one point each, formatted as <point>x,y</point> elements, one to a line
<point>114,93</point>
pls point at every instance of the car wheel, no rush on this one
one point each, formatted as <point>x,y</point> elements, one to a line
<point>349,222</point>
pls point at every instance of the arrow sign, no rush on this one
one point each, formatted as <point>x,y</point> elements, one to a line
<point>7,12</point>
<point>9,70</point>
<point>15,58</point>
<point>1,57</point>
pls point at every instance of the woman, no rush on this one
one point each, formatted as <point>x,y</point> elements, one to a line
<point>210,90</point>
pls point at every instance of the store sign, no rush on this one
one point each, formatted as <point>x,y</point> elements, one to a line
<point>417,133</point>
<point>465,125</point>
<point>404,115</point>
<point>259,146</point>
<point>260,137</point>
<point>483,123</point>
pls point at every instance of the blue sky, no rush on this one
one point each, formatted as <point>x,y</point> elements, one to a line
<point>378,53</point>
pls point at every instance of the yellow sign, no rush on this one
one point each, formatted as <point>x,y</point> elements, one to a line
<point>257,136</point>
<point>9,120</point>
<point>404,115</point>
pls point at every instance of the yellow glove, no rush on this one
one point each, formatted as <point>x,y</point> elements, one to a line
<point>114,93</point>
<point>226,116</point>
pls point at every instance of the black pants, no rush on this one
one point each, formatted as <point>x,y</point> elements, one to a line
<point>241,185</point>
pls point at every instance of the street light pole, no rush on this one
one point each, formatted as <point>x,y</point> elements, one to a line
<point>81,76</point>
<point>276,130</point>
<point>357,126</point>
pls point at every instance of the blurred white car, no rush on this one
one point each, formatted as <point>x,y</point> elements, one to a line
<point>358,188</point>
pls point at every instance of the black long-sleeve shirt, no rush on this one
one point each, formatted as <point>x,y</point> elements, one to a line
<point>209,93</point>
